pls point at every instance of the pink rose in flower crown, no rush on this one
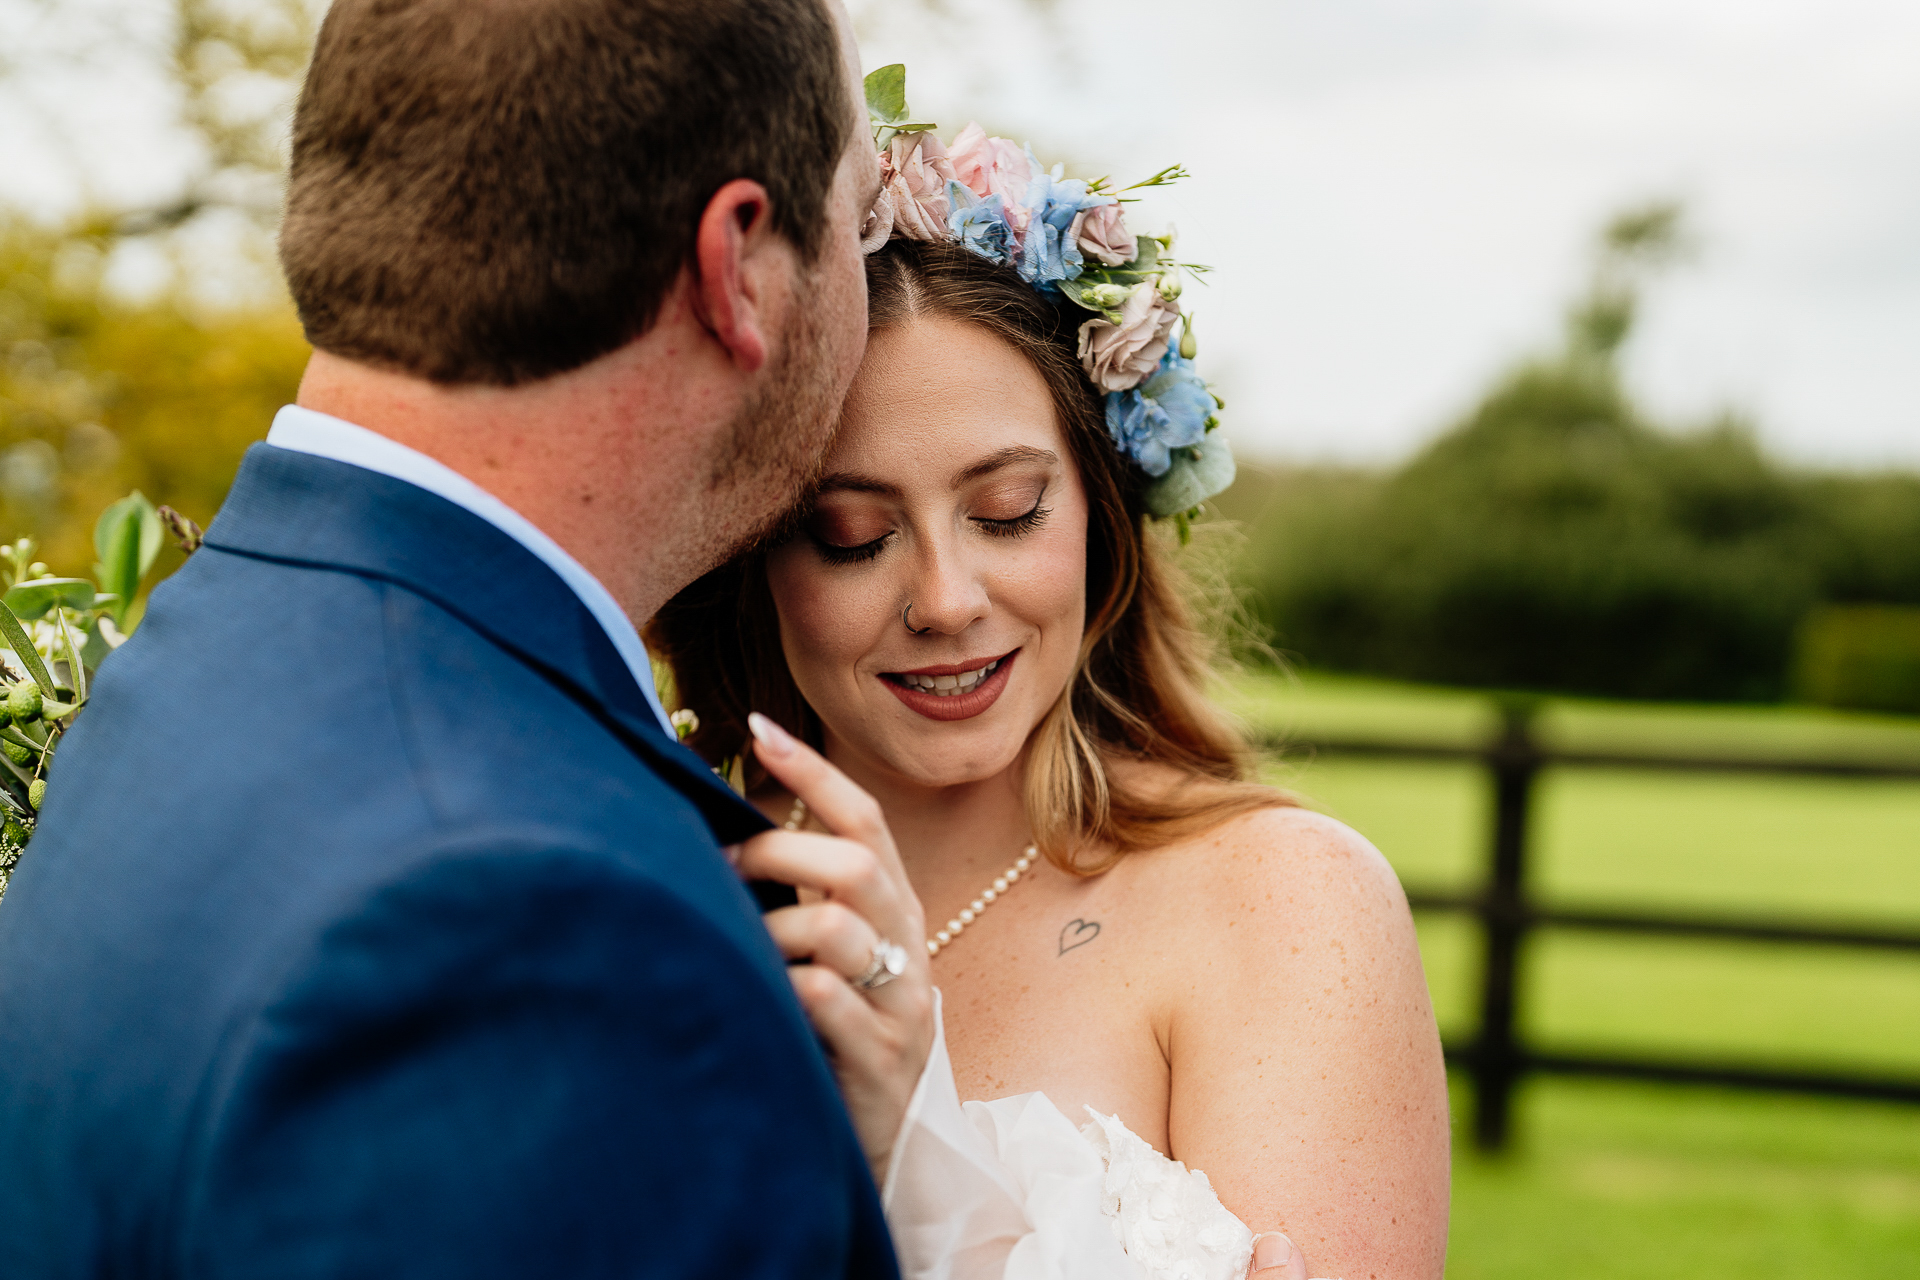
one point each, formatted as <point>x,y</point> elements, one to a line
<point>914,172</point>
<point>1119,357</point>
<point>878,228</point>
<point>1101,232</point>
<point>994,166</point>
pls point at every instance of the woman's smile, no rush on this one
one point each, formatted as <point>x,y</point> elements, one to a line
<point>943,556</point>
<point>957,691</point>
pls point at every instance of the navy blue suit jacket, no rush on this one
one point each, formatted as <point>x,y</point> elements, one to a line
<point>374,928</point>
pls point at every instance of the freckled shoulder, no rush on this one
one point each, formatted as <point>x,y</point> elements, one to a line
<point>1313,867</point>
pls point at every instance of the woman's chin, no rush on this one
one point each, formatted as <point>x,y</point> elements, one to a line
<point>932,767</point>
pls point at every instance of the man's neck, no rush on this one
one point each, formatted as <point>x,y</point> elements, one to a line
<point>603,460</point>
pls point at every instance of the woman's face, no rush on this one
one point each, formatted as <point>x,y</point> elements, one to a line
<point>949,490</point>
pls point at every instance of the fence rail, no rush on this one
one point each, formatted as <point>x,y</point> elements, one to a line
<point>1496,1059</point>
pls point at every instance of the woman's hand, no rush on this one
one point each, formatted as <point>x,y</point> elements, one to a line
<point>1275,1258</point>
<point>877,1039</point>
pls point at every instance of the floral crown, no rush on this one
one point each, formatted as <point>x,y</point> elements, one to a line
<point>1067,238</point>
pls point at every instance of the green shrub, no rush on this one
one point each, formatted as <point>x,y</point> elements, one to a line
<point>1865,657</point>
<point>1870,526</point>
<point>1555,539</point>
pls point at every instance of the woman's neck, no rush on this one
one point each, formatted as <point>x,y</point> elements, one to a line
<point>953,840</point>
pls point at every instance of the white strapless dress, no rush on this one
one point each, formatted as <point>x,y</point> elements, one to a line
<point>1013,1190</point>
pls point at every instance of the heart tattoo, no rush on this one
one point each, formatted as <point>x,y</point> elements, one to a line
<point>1078,933</point>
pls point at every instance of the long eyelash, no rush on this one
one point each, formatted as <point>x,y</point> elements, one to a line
<point>850,555</point>
<point>1019,526</point>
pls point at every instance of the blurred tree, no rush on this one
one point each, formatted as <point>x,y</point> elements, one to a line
<point>1556,539</point>
<point>238,65</point>
<point>101,390</point>
<point>100,395</point>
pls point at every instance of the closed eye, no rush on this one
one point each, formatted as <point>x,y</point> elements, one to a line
<point>834,554</point>
<point>1018,526</point>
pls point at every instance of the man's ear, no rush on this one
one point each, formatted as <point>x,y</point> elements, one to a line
<point>737,257</point>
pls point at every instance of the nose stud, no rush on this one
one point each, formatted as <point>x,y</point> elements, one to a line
<point>906,616</point>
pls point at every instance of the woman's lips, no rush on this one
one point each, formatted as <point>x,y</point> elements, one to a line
<point>954,706</point>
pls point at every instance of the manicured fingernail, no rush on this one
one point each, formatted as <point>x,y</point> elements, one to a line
<point>1271,1249</point>
<point>777,741</point>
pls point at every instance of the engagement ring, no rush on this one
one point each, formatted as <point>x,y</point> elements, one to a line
<point>889,962</point>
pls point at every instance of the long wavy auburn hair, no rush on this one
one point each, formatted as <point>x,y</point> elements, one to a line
<point>1136,698</point>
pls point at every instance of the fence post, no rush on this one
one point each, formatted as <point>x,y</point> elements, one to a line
<point>1514,761</point>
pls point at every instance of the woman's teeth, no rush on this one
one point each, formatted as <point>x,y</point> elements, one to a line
<point>947,686</point>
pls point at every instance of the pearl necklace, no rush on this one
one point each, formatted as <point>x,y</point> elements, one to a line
<point>969,913</point>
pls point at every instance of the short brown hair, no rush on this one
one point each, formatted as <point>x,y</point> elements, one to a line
<point>496,191</point>
<point>1136,697</point>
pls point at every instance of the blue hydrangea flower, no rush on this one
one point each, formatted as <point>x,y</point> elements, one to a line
<point>1044,259</point>
<point>1127,424</point>
<point>1048,254</point>
<point>1167,412</point>
<point>979,225</point>
<point>1182,394</point>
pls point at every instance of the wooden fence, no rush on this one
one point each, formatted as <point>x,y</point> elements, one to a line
<point>1496,1058</point>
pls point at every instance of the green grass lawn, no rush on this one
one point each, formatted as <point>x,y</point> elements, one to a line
<point>1647,1181</point>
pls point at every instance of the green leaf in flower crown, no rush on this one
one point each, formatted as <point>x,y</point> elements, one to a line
<point>1147,264</point>
<point>887,94</point>
<point>1165,178</point>
<point>1198,473</point>
<point>1096,294</point>
<point>34,599</point>
<point>887,104</point>
<point>126,538</point>
<point>886,133</point>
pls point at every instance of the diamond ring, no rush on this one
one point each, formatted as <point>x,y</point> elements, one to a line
<point>889,962</point>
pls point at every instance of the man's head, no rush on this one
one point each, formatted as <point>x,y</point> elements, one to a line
<point>647,212</point>
<point>496,191</point>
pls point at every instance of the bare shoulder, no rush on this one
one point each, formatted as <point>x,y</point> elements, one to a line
<point>1291,858</point>
<point>1290,909</point>
<point>1306,1075</point>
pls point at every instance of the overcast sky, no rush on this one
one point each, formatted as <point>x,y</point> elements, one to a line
<point>1398,195</point>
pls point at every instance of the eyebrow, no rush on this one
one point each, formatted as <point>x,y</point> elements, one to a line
<point>848,480</point>
<point>854,482</point>
<point>1005,458</point>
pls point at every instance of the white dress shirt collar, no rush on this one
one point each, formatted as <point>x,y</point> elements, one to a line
<point>305,431</point>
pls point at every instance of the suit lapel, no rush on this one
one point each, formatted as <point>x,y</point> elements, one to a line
<point>296,508</point>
